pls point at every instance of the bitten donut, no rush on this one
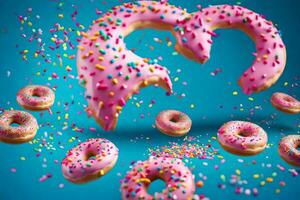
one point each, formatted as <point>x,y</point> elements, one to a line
<point>178,178</point>
<point>270,55</point>
<point>108,70</point>
<point>288,149</point>
<point>111,73</point>
<point>285,103</point>
<point>89,160</point>
<point>173,122</point>
<point>36,97</point>
<point>24,131</point>
<point>242,138</point>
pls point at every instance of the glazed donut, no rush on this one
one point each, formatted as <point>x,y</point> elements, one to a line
<point>288,149</point>
<point>242,138</point>
<point>24,132</point>
<point>270,50</point>
<point>178,178</point>
<point>111,73</point>
<point>285,103</point>
<point>89,160</point>
<point>173,122</point>
<point>36,97</point>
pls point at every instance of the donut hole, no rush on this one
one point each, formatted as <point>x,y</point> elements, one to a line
<point>156,185</point>
<point>14,124</point>
<point>90,156</point>
<point>38,92</point>
<point>288,99</point>
<point>174,119</point>
<point>297,147</point>
<point>15,121</point>
<point>245,133</point>
<point>35,95</point>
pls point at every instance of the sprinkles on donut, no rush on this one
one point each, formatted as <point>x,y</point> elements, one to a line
<point>24,131</point>
<point>285,103</point>
<point>173,122</point>
<point>242,138</point>
<point>288,149</point>
<point>111,73</point>
<point>89,160</point>
<point>36,97</point>
<point>178,178</point>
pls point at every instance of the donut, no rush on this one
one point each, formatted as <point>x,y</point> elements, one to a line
<point>89,160</point>
<point>173,122</point>
<point>178,178</point>
<point>288,149</point>
<point>111,73</point>
<point>270,55</point>
<point>242,138</point>
<point>24,132</point>
<point>285,103</point>
<point>36,97</point>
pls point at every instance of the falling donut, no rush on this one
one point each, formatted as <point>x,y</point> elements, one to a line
<point>111,73</point>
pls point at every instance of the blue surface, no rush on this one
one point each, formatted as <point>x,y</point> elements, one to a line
<point>212,97</point>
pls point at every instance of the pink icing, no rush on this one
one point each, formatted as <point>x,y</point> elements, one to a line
<point>287,149</point>
<point>179,179</point>
<point>173,121</point>
<point>35,96</point>
<point>285,101</point>
<point>254,135</point>
<point>270,56</point>
<point>27,125</point>
<point>111,73</point>
<point>77,166</point>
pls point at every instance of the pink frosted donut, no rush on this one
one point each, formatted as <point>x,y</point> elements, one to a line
<point>108,70</point>
<point>111,73</point>
<point>285,103</point>
<point>89,160</point>
<point>270,55</point>
<point>36,97</point>
<point>242,138</point>
<point>173,122</point>
<point>288,149</point>
<point>25,131</point>
<point>178,178</point>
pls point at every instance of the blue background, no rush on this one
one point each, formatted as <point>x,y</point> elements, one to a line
<point>212,97</point>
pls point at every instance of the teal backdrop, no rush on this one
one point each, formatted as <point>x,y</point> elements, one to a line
<point>208,93</point>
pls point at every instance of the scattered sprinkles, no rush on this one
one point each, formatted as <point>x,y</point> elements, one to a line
<point>190,148</point>
<point>50,51</point>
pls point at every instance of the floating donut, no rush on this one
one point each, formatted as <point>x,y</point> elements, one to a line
<point>36,97</point>
<point>89,160</point>
<point>270,56</point>
<point>108,70</point>
<point>242,138</point>
<point>288,149</point>
<point>24,132</point>
<point>285,103</point>
<point>111,73</point>
<point>173,122</point>
<point>178,178</point>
